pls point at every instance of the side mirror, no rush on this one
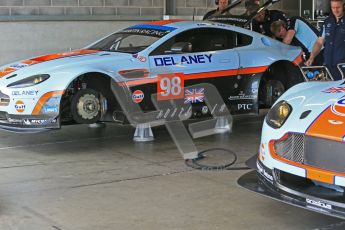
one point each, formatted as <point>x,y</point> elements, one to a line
<point>180,47</point>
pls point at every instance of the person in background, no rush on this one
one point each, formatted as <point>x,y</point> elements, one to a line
<point>222,4</point>
<point>263,20</point>
<point>251,6</point>
<point>333,40</point>
<point>299,32</point>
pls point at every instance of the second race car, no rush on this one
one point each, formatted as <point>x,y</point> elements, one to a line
<point>300,159</point>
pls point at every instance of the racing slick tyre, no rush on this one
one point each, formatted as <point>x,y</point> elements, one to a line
<point>273,90</point>
<point>86,106</point>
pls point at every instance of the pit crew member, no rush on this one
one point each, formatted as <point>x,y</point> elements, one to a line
<point>222,4</point>
<point>262,22</point>
<point>299,32</point>
<point>333,39</point>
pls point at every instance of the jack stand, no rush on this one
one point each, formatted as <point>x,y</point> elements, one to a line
<point>222,125</point>
<point>97,125</point>
<point>143,133</point>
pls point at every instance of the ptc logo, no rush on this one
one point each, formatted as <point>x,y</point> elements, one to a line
<point>339,108</point>
<point>20,106</point>
<point>138,96</point>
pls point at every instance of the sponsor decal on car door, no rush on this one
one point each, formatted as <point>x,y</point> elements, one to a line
<point>179,70</point>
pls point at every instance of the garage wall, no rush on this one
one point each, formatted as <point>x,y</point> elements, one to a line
<point>81,7</point>
<point>196,7</point>
<point>290,7</point>
<point>35,27</point>
<point>21,40</point>
<point>115,9</point>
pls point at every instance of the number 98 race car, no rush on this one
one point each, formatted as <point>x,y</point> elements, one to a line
<point>248,70</point>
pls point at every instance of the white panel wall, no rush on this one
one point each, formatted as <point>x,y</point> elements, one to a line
<point>20,40</point>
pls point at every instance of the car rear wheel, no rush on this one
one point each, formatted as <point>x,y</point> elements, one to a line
<point>273,90</point>
<point>86,106</point>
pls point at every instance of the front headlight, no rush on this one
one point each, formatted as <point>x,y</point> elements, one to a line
<point>30,81</point>
<point>277,116</point>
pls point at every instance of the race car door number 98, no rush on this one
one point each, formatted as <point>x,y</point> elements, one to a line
<point>170,86</point>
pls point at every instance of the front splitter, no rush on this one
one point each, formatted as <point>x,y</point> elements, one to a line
<point>254,182</point>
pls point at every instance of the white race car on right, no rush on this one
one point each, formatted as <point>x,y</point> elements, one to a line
<point>301,160</point>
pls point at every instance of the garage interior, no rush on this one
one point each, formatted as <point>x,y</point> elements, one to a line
<point>88,178</point>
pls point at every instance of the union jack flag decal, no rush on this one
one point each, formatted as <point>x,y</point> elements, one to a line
<point>335,90</point>
<point>195,95</point>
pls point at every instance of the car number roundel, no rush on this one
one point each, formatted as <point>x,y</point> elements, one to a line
<point>170,86</point>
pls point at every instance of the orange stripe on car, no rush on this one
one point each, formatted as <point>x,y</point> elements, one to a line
<point>43,100</point>
<point>320,175</point>
<point>163,22</point>
<point>299,60</point>
<point>194,76</point>
<point>312,173</point>
<point>48,57</point>
<point>138,82</point>
<point>214,74</point>
<point>6,71</point>
<point>328,125</point>
<point>62,55</point>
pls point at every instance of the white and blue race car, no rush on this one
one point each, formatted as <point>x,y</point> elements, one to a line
<point>248,69</point>
<point>300,159</point>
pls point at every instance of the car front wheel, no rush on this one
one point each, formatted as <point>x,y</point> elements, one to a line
<point>86,107</point>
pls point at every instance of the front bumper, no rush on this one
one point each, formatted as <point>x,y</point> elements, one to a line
<point>28,123</point>
<point>308,196</point>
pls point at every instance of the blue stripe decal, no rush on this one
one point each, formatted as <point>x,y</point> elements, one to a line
<point>155,27</point>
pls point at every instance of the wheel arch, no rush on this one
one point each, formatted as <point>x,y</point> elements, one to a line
<point>97,81</point>
<point>285,71</point>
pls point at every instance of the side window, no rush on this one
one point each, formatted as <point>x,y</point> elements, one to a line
<point>243,40</point>
<point>202,40</point>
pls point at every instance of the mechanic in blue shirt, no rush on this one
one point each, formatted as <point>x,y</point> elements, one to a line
<point>222,4</point>
<point>333,38</point>
<point>263,20</point>
<point>299,32</point>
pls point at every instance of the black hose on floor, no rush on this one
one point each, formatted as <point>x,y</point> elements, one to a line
<point>194,163</point>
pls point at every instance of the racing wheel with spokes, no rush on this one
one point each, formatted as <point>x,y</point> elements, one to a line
<point>86,106</point>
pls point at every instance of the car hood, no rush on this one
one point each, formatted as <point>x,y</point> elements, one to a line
<point>324,102</point>
<point>61,61</point>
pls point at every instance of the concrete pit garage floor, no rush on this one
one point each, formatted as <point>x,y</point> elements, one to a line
<point>82,178</point>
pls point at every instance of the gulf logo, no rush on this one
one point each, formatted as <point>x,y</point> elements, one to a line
<point>138,96</point>
<point>20,106</point>
<point>339,108</point>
